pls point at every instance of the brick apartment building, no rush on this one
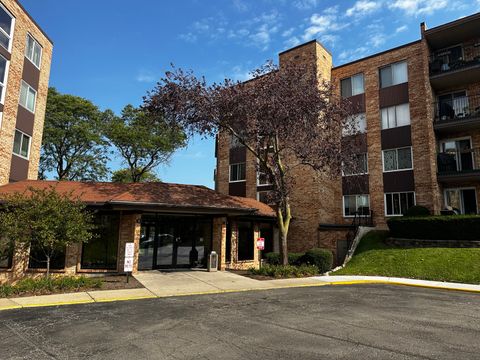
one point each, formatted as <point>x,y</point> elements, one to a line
<point>418,121</point>
<point>25,57</point>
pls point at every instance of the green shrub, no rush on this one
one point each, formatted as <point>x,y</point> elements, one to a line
<point>454,227</point>
<point>48,285</point>
<point>285,271</point>
<point>274,258</point>
<point>418,211</point>
<point>321,258</point>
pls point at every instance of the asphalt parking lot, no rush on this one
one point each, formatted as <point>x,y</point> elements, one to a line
<point>328,322</point>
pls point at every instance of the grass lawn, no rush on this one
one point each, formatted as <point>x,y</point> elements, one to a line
<point>374,257</point>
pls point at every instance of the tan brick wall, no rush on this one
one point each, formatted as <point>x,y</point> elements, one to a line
<point>129,232</point>
<point>23,25</point>
<point>219,240</point>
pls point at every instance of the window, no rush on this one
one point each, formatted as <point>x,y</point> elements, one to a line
<point>27,96</point>
<point>352,86</point>
<point>245,241</point>
<point>235,142</point>
<point>101,252</point>
<point>237,172</point>
<point>358,167</point>
<point>394,74</point>
<point>397,204</point>
<point>265,197</point>
<point>462,200</point>
<point>6,254</point>
<point>262,177</point>
<point>356,205</point>
<point>453,105</point>
<point>21,144</point>
<point>6,28</point>
<point>33,51</point>
<point>3,77</point>
<point>397,159</point>
<point>355,124</point>
<point>38,260</point>
<point>395,116</point>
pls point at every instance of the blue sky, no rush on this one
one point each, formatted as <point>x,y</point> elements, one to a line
<point>113,53</point>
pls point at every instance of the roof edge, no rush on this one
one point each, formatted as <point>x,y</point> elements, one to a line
<point>34,22</point>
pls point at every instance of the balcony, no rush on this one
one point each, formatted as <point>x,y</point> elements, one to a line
<point>457,112</point>
<point>459,165</point>
<point>454,66</point>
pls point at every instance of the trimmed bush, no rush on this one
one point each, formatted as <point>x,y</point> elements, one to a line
<point>321,258</point>
<point>417,211</point>
<point>285,271</point>
<point>274,258</point>
<point>454,227</point>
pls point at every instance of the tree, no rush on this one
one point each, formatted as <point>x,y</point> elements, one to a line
<point>125,176</point>
<point>143,140</point>
<point>45,220</point>
<point>73,147</point>
<point>286,117</point>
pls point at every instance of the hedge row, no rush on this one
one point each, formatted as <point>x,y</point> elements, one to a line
<point>321,258</point>
<point>455,227</point>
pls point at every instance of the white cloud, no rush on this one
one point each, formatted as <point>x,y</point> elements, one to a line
<point>288,32</point>
<point>188,37</point>
<point>239,73</point>
<point>321,24</point>
<point>419,7</point>
<point>305,4</point>
<point>292,42</point>
<point>363,7</point>
<point>240,5</point>
<point>145,76</point>
<point>329,39</point>
<point>401,29</point>
<point>377,40</point>
<point>349,55</point>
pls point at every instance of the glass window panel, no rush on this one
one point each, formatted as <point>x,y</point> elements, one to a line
<point>404,158</point>
<point>31,99</point>
<point>403,203</point>
<point>25,145</point>
<point>17,142</point>
<point>5,21</point>
<point>4,40</point>
<point>392,122</point>
<point>23,94</point>
<point>233,172</point>
<point>357,84</point>
<point>29,47</point>
<point>245,241</point>
<point>402,113</point>
<point>410,200</point>
<point>396,204</point>
<point>241,172</point>
<point>3,69</point>
<point>390,160</point>
<point>386,77</point>
<point>37,54</point>
<point>400,73</point>
<point>349,205</point>
<point>346,87</point>
<point>389,201</point>
<point>363,204</point>
<point>385,118</point>
<point>361,123</point>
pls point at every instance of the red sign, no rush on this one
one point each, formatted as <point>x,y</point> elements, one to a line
<point>260,244</point>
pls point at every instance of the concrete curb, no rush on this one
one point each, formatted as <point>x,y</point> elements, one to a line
<point>95,297</point>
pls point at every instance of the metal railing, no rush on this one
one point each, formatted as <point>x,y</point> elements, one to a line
<point>457,107</point>
<point>454,59</point>
<point>459,161</point>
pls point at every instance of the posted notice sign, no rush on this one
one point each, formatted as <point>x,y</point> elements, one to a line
<point>260,244</point>
<point>129,253</point>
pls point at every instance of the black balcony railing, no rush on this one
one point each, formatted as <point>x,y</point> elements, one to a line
<point>459,161</point>
<point>457,107</point>
<point>455,58</point>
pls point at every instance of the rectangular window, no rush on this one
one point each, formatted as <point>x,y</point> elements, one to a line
<point>359,166</point>
<point>397,159</point>
<point>6,254</point>
<point>356,205</point>
<point>461,200</point>
<point>351,86</point>
<point>394,74</point>
<point>28,96</point>
<point>395,116</point>
<point>3,77</point>
<point>38,259</point>
<point>355,124</point>
<point>33,51</point>
<point>101,252</point>
<point>397,204</point>
<point>7,22</point>
<point>21,144</point>
<point>237,172</point>
<point>262,177</point>
<point>264,197</point>
<point>245,241</point>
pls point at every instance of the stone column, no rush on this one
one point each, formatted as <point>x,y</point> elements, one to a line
<point>219,240</point>
<point>256,253</point>
<point>129,232</point>
<point>72,258</point>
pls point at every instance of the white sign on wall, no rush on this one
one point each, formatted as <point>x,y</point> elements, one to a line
<point>129,254</point>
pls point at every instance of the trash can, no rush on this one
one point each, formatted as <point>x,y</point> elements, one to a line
<point>212,262</point>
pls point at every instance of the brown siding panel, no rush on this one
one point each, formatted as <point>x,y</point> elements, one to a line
<point>358,103</point>
<point>5,53</point>
<point>25,120</point>
<point>238,155</point>
<point>397,181</point>
<point>355,185</point>
<point>31,74</point>
<point>393,95</point>
<point>237,188</point>
<point>358,143</point>
<point>396,137</point>
<point>18,168</point>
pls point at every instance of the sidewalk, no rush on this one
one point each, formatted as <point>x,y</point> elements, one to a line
<point>182,283</point>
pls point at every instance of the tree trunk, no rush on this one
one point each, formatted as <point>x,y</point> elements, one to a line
<point>283,248</point>
<point>283,225</point>
<point>48,267</point>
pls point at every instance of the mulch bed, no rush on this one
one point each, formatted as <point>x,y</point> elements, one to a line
<point>119,282</point>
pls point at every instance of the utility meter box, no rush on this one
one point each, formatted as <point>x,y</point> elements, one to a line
<point>212,262</point>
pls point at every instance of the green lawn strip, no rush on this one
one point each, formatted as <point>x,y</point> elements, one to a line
<point>44,286</point>
<point>373,257</point>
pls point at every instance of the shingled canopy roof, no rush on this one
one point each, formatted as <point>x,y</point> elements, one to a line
<point>152,196</point>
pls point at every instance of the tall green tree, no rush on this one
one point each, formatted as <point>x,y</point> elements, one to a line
<point>125,176</point>
<point>143,140</point>
<point>45,220</point>
<point>73,147</point>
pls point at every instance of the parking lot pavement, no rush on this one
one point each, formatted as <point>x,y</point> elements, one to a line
<point>347,322</point>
